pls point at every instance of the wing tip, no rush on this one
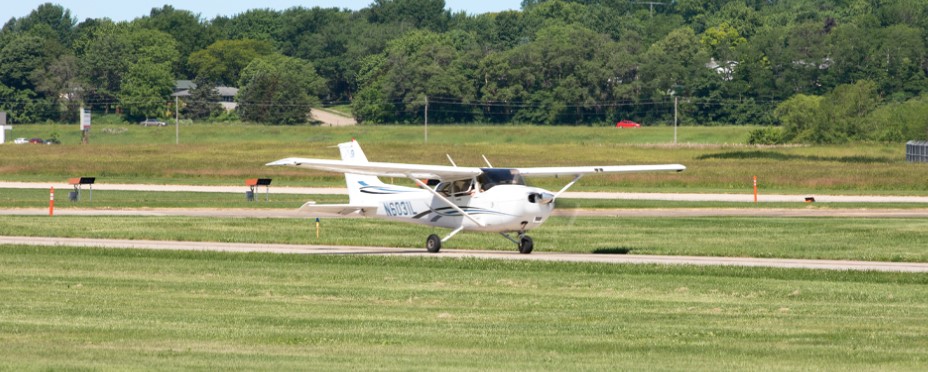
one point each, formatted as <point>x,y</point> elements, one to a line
<point>281,162</point>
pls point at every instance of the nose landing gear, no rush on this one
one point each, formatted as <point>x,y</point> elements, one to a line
<point>524,243</point>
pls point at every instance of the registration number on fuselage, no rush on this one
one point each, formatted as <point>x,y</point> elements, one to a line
<point>399,208</point>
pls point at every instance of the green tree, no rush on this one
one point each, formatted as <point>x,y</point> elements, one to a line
<point>697,12</point>
<point>899,122</point>
<point>19,59</point>
<point>904,57</point>
<point>254,24</point>
<point>112,49</point>
<point>804,61</point>
<point>55,18</point>
<point>371,105</point>
<point>721,41</point>
<point>675,66</point>
<point>567,74</point>
<point>185,27</point>
<point>554,12</point>
<point>224,60</point>
<point>739,16</point>
<point>24,106</point>
<point>837,117</point>
<point>203,101</point>
<point>334,41</point>
<point>421,14</point>
<point>60,81</point>
<point>800,116</point>
<point>278,90</point>
<point>419,65</point>
<point>845,108</point>
<point>145,89</point>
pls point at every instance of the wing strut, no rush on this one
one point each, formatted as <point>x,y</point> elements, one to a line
<point>576,178</point>
<point>442,198</point>
<point>487,161</point>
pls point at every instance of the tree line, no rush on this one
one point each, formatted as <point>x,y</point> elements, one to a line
<point>824,71</point>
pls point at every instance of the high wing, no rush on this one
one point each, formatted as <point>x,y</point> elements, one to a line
<point>441,172</point>
<point>579,171</point>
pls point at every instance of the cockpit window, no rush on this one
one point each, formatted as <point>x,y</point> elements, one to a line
<point>499,176</point>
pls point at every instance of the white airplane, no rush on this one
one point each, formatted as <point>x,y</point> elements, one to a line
<point>465,198</point>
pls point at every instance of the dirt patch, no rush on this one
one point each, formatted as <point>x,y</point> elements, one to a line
<point>331,119</point>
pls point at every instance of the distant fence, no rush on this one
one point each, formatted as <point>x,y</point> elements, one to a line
<point>916,151</point>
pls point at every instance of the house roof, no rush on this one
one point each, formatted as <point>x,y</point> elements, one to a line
<point>227,91</point>
<point>184,85</point>
<point>223,92</point>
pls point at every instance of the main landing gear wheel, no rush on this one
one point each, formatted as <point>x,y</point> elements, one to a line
<point>526,245</point>
<point>433,243</point>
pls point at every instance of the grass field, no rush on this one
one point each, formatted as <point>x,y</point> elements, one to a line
<point>200,133</point>
<point>227,154</point>
<point>75,309</point>
<point>876,239</point>
<point>108,199</point>
<point>82,308</point>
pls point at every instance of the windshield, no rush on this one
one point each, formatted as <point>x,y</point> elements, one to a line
<point>499,176</point>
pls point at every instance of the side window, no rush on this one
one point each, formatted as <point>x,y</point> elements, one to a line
<point>456,188</point>
<point>444,188</point>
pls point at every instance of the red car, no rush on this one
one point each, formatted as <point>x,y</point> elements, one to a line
<point>627,124</point>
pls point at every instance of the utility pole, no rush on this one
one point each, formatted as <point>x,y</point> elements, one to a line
<point>675,99</point>
<point>650,3</point>
<point>176,122</point>
<point>426,119</point>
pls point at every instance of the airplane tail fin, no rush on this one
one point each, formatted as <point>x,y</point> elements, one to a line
<point>352,153</point>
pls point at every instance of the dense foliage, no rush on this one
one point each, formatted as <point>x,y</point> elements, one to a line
<point>828,71</point>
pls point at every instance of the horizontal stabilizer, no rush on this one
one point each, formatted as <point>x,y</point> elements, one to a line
<point>337,209</point>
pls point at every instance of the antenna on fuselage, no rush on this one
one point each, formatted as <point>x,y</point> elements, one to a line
<point>451,160</point>
<point>486,161</point>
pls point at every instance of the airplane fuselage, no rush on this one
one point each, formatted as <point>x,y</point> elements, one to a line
<point>504,208</point>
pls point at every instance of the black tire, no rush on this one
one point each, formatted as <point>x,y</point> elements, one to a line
<point>433,243</point>
<point>526,245</point>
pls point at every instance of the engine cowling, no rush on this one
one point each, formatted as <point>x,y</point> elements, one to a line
<point>541,197</point>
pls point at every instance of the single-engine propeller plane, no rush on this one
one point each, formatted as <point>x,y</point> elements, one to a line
<point>464,198</point>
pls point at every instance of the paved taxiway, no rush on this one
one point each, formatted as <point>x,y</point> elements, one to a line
<point>746,198</point>
<point>450,253</point>
<point>650,212</point>
<point>456,253</point>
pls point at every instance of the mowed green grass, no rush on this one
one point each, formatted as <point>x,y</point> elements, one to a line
<point>228,154</point>
<point>115,199</point>
<point>83,308</point>
<point>442,134</point>
<point>875,239</point>
<point>78,308</point>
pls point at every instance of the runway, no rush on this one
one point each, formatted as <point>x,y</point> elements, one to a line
<point>650,212</point>
<point>450,253</point>
<point>745,198</point>
<point>475,254</point>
